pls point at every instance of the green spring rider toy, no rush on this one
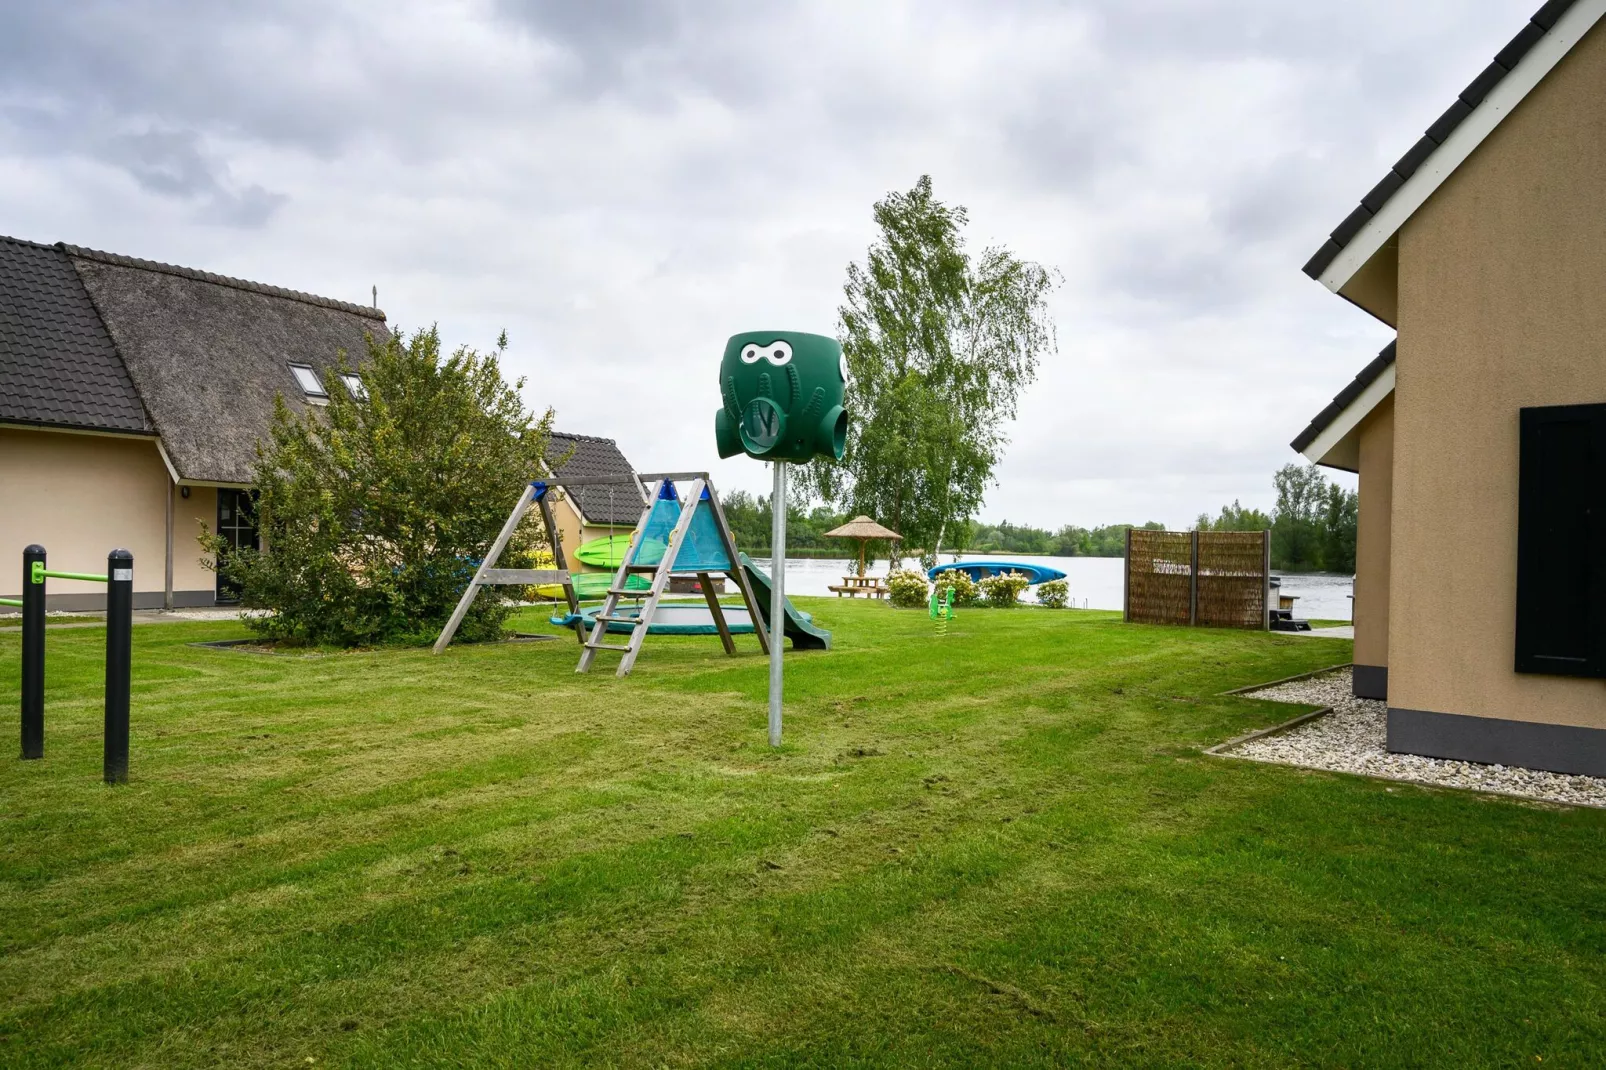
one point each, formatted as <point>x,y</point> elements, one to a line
<point>942,609</point>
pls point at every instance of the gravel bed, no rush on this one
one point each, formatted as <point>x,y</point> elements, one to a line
<point>1351,739</point>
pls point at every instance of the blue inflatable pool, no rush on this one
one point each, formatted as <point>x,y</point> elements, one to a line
<point>980,570</point>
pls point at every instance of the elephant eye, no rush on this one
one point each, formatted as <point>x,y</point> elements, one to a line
<point>750,354</point>
<point>779,353</point>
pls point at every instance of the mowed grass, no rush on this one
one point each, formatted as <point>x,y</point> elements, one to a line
<point>1002,848</point>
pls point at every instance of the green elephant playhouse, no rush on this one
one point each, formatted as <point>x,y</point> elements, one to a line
<point>783,397</point>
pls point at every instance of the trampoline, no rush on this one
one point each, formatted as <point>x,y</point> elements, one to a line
<point>673,618</point>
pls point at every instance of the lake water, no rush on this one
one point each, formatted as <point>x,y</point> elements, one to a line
<point>1095,582</point>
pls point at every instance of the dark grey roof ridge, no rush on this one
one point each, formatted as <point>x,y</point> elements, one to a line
<point>1365,378</point>
<point>1504,62</point>
<point>366,311</point>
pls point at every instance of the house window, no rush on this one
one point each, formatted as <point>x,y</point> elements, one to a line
<point>353,383</point>
<point>308,380</point>
<point>1561,541</point>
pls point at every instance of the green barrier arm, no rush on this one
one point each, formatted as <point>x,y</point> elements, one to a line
<point>40,572</point>
<point>11,602</point>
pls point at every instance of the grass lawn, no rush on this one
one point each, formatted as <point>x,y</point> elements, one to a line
<point>1003,848</point>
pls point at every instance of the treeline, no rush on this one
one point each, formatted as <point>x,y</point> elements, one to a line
<point>1312,525</point>
<point>749,516</point>
<point>1068,541</point>
<point>1312,528</point>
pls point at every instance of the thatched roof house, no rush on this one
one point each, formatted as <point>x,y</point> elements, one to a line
<point>132,398</point>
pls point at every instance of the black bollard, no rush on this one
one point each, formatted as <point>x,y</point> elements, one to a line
<point>33,656</point>
<point>119,639</point>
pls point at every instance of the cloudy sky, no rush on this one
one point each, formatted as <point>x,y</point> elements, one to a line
<point>623,183</point>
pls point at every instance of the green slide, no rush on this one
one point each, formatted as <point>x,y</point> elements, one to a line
<point>799,629</point>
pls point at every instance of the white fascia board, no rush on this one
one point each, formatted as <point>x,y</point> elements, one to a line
<point>1347,420</point>
<point>168,461</point>
<point>1529,72</point>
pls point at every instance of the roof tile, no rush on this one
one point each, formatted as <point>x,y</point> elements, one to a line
<point>58,366</point>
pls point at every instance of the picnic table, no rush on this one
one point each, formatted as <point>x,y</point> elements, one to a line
<point>853,586</point>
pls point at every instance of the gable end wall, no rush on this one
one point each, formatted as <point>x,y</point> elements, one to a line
<point>1502,304</point>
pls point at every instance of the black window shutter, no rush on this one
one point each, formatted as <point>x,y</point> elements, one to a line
<point>1561,541</point>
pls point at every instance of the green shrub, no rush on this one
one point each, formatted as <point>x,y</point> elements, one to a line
<point>1003,591</point>
<point>907,588</point>
<point>967,593</point>
<point>376,508</point>
<point>1053,594</point>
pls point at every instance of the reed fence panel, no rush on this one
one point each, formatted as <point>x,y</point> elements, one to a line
<point>1210,578</point>
<point>1159,577</point>
<point>1231,579</point>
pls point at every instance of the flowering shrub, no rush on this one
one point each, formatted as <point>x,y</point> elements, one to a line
<point>967,593</point>
<point>1053,594</point>
<point>1003,591</point>
<point>907,588</point>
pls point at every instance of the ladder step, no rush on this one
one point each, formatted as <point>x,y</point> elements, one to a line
<point>606,646</point>
<point>630,619</point>
<point>641,568</point>
<point>630,592</point>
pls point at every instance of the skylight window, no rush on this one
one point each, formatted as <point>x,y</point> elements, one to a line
<point>353,383</point>
<point>308,380</point>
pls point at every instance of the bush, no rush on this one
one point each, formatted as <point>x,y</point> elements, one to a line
<point>375,509</point>
<point>907,588</point>
<point>1053,594</point>
<point>967,593</point>
<point>1003,591</point>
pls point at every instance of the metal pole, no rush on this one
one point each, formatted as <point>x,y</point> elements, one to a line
<point>33,655</point>
<point>119,640</point>
<point>777,596</point>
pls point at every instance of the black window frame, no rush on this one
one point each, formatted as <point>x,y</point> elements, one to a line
<point>1540,595</point>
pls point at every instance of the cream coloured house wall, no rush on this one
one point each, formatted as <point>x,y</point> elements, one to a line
<point>82,495</point>
<point>1373,551</point>
<point>1501,277</point>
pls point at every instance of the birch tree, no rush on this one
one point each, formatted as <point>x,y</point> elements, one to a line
<point>939,347</point>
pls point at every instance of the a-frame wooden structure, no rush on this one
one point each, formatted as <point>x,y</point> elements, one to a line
<point>648,554</point>
<point>487,575</point>
<point>664,562</point>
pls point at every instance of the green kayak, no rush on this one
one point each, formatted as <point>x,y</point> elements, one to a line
<point>606,552</point>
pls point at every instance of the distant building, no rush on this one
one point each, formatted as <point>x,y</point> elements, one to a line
<point>132,397</point>
<point>1479,433</point>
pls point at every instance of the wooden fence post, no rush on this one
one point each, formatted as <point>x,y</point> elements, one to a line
<point>1193,581</point>
<point>1265,578</point>
<point>1126,590</point>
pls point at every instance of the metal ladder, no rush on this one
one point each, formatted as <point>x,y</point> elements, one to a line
<point>660,582</point>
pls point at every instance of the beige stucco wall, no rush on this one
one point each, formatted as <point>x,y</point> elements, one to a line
<point>1372,542</point>
<point>1502,277</point>
<point>80,496</point>
<point>574,535</point>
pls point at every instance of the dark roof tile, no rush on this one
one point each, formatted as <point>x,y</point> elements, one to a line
<point>1382,191</point>
<point>589,457</point>
<point>1352,224</point>
<point>58,366</point>
<point>1445,124</point>
<point>1520,45</point>
<point>1473,94</point>
<point>1415,156</point>
<point>1351,391</point>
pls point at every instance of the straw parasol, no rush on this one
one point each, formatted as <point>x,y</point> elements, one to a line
<point>863,529</point>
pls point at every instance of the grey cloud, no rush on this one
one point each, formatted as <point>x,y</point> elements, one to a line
<point>600,177</point>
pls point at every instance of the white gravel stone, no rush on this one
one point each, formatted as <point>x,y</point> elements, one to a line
<point>1351,739</point>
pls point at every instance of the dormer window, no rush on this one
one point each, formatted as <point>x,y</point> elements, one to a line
<point>353,383</point>
<point>308,380</point>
